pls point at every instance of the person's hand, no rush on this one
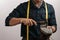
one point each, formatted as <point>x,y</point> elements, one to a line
<point>51,27</point>
<point>28,22</point>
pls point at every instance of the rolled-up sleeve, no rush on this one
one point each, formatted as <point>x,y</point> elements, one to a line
<point>52,20</point>
<point>16,13</point>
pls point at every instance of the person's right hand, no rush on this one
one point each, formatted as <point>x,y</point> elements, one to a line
<point>28,22</point>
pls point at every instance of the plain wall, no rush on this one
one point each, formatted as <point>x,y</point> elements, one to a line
<point>13,33</point>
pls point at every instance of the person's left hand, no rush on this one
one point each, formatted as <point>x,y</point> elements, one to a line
<point>51,27</point>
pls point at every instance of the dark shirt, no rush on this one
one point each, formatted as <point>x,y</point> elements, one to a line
<point>37,14</point>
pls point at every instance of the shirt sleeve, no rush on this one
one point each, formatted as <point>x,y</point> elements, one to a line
<point>16,13</point>
<point>52,20</point>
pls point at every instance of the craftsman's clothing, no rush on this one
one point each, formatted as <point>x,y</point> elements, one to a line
<point>37,14</point>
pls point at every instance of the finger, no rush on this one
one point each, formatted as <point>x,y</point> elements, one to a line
<point>34,22</point>
<point>31,23</point>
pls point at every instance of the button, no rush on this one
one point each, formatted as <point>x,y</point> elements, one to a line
<point>38,17</point>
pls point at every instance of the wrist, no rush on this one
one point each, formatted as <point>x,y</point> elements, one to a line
<point>20,20</point>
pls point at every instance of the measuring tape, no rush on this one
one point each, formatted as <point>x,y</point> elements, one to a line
<point>28,9</point>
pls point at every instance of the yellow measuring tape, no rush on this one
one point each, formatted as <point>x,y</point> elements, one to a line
<point>28,9</point>
<point>46,8</point>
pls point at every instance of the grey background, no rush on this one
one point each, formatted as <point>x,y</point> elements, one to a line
<point>13,33</point>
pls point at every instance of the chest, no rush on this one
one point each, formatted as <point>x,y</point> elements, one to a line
<point>37,14</point>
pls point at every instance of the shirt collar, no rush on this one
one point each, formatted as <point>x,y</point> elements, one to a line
<point>33,6</point>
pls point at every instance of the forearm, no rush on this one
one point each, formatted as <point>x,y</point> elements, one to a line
<point>14,21</point>
<point>25,21</point>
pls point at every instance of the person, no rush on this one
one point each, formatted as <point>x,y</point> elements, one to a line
<point>36,14</point>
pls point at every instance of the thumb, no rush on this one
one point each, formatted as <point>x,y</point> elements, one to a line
<point>49,27</point>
